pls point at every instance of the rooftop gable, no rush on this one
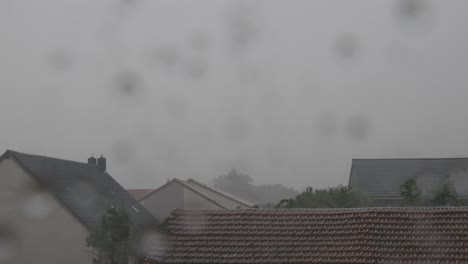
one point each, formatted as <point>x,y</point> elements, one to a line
<point>210,194</point>
<point>84,190</point>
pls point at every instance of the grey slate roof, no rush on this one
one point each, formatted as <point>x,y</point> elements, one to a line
<point>381,178</point>
<point>84,190</point>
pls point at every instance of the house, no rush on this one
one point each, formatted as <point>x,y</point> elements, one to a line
<point>50,205</point>
<point>381,178</point>
<point>190,194</point>
<point>287,236</point>
<point>139,193</point>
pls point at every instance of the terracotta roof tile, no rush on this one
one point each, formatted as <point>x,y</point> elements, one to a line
<point>364,235</point>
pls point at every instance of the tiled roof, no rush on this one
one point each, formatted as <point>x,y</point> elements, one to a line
<point>381,178</point>
<point>139,193</point>
<point>83,189</point>
<point>360,235</point>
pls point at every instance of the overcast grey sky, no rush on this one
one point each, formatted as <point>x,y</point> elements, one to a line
<point>286,91</point>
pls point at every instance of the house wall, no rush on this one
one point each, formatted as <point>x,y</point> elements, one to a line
<point>162,202</point>
<point>228,203</point>
<point>45,231</point>
<point>193,200</point>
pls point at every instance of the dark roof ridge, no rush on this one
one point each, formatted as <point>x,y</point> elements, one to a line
<point>420,208</point>
<point>12,152</point>
<point>410,158</point>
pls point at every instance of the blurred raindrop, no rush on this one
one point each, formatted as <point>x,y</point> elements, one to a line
<point>242,27</point>
<point>414,16</point>
<point>176,107</point>
<point>151,241</point>
<point>346,46</point>
<point>122,151</point>
<point>167,55</point>
<point>326,124</point>
<point>60,59</point>
<point>358,127</point>
<point>37,205</point>
<point>9,243</point>
<point>126,8</point>
<point>197,225</point>
<point>196,68</point>
<point>128,82</point>
<point>83,194</point>
<point>237,128</point>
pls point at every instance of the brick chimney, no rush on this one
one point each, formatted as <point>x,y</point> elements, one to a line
<point>101,163</point>
<point>92,160</point>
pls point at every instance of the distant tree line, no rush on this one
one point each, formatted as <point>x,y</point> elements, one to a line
<point>334,197</point>
<point>279,196</point>
<point>241,185</point>
<point>443,195</point>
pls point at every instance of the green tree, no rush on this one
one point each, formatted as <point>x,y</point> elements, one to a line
<point>236,183</point>
<point>411,193</point>
<point>335,197</point>
<point>445,195</point>
<point>111,243</point>
<point>241,185</point>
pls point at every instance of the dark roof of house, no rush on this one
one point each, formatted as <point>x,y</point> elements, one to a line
<point>358,235</point>
<point>381,178</point>
<point>83,189</point>
<point>139,193</point>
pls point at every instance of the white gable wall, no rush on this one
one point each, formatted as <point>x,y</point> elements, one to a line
<point>173,196</point>
<point>54,238</point>
<point>225,201</point>
<point>163,201</point>
<point>193,200</point>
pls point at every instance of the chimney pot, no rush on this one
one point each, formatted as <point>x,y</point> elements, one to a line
<point>101,163</point>
<point>92,160</point>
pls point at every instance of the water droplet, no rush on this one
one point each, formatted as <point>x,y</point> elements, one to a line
<point>83,194</point>
<point>153,242</point>
<point>9,243</point>
<point>128,82</point>
<point>358,127</point>
<point>166,54</point>
<point>242,27</point>
<point>346,46</point>
<point>414,16</point>
<point>37,205</point>
<point>196,68</point>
